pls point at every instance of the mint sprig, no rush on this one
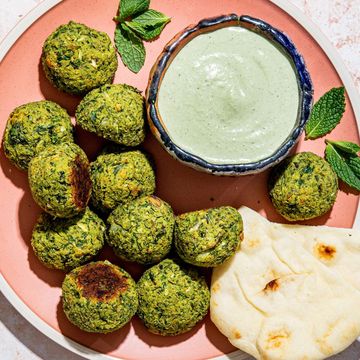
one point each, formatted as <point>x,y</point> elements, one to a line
<point>130,47</point>
<point>326,113</point>
<point>346,164</point>
<point>136,22</point>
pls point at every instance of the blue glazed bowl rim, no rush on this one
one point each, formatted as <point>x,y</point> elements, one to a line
<point>274,35</point>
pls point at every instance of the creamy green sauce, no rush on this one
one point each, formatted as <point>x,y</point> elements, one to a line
<point>229,96</point>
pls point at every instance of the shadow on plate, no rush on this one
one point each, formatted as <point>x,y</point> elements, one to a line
<point>89,142</point>
<point>52,277</point>
<point>17,177</point>
<point>154,340</point>
<point>28,212</point>
<point>273,216</point>
<point>216,338</point>
<point>67,101</point>
<point>347,189</point>
<point>105,342</point>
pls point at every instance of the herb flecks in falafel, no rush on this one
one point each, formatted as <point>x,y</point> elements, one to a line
<point>142,230</point>
<point>68,243</point>
<point>115,112</point>
<point>208,237</point>
<point>77,59</point>
<point>120,178</point>
<point>303,187</point>
<point>32,127</point>
<point>172,298</point>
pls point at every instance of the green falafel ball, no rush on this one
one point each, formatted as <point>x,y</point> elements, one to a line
<point>302,187</point>
<point>99,297</point>
<point>67,243</point>
<point>172,298</point>
<point>115,112</point>
<point>208,237</point>
<point>60,181</point>
<point>32,127</point>
<point>77,59</point>
<point>142,230</point>
<point>120,178</point>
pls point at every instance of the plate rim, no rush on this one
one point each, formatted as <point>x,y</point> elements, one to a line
<point>41,9</point>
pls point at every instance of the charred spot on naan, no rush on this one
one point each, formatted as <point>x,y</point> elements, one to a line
<point>236,334</point>
<point>272,285</point>
<point>252,243</point>
<point>325,252</point>
<point>277,339</point>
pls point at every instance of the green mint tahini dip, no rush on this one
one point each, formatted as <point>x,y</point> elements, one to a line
<point>229,96</point>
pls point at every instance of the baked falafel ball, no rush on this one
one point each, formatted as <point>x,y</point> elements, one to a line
<point>99,297</point>
<point>302,187</point>
<point>142,230</point>
<point>172,298</point>
<point>115,112</point>
<point>67,243</point>
<point>32,127</point>
<point>209,237</point>
<point>60,181</point>
<point>120,178</point>
<point>77,59</point>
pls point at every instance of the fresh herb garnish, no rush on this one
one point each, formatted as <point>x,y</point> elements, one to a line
<point>149,24</point>
<point>136,22</point>
<point>343,158</point>
<point>345,146</point>
<point>130,47</point>
<point>129,8</point>
<point>326,113</point>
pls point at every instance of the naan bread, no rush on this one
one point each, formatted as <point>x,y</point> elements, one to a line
<point>291,292</point>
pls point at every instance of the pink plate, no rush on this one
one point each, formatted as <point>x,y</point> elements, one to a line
<point>35,289</point>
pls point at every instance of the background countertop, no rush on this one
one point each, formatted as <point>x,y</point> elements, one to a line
<point>338,19</point>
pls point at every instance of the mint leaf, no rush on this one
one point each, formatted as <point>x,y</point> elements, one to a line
<point>151,18</point>
<point>149,24</point>
<point>338,162</point>
<point>131,7</point>
<point>345,146</point>
<point>146,33</point>
<point>354,164</point>
<point>130,48</point>
<point>326,113</point>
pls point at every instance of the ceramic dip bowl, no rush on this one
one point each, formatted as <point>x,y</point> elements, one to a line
<point>229,96</point>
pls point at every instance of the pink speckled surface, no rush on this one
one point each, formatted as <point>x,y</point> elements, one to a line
<point>340,20</point>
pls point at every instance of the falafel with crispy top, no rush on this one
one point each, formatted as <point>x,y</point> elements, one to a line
<point>99,297</point>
